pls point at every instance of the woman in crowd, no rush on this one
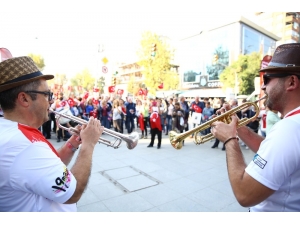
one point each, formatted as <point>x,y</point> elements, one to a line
<point>117,119</point>
<point>103,111</point>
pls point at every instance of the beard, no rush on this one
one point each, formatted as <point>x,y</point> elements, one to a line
<point>276,98</point>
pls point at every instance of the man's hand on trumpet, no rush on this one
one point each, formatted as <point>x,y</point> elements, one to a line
<point>223,131</point>
<point>91,132</point>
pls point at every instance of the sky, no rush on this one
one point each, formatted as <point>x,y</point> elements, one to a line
<point>67,33</point>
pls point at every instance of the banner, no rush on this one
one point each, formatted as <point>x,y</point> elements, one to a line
<point>196,118</point>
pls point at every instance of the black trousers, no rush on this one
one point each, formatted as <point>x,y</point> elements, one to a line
<point>47,129</point>
<point>155,132</point>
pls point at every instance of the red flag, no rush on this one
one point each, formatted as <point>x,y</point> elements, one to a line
<point>111,89</point>
<point>264,63</point>
<point>140,92</point>
<point>120,91</point>
<point>95,89</point>
<point>79,88</point>
<point>71,102</point>
<point>95,102</point>
<point>5,54</point>
<point>161,86</point>
<point>86,95</point>
<point>155,121</point>
<point>69,88</point>
<point>145,92</point>
<point>197,108</point>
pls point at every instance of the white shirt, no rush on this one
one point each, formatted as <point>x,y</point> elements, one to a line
<point>117,113</point>
<point>277,166</point>
<point>32,176</point>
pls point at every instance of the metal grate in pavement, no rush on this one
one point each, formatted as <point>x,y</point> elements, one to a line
<point>130,179</point>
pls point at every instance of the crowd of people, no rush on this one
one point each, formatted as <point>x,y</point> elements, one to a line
<point>34,175</point>
<point>174,113</point>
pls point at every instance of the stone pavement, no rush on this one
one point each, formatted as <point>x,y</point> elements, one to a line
<point>193,179</point>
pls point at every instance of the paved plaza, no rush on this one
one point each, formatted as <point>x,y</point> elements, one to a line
<point>193,179</point>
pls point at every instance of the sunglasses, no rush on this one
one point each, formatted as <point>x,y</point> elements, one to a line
<point>267,77</point>
<point>46,93</point>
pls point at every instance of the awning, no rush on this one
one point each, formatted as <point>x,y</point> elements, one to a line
<point>204,93</point>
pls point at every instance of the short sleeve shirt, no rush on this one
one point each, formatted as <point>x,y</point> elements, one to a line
<point>277,166</point>
<point>32,176</point>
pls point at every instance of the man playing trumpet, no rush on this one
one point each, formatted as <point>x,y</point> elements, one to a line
<point>271,182</point>
<point>33,174</point>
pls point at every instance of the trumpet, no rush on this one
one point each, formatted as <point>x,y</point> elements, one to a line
<point>131,139</point>
<point>176,140</point>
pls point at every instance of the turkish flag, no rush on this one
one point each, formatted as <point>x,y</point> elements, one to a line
<point>197,108</point>
<point>86,95</point>
<point>63,103</point>
<point>95,102</point>
<point>145,92</point>
<point>111,89</point>
<point>5,54</point>
<point>155,121</point>
<point>69,88</point>
<point>71,102</point>
<point>140,92</point>
<point>120,91</point>
<point>95,89</point>
<point>161,86</point>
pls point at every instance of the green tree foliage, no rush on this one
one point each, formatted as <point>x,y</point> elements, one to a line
<point>83,79</point>
<point>157,69</point>
<point>38,60</point>
<point>100,84</point>
<point>246,68</point>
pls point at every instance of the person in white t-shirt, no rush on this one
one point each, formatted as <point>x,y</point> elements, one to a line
<point>271,181</point>
<point>33,174</point>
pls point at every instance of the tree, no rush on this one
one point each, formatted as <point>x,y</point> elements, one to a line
<point>156,63</point>
<point>133,86</point>
<point>246,68</point>
<point>38,60</point>
<point>83,79</point>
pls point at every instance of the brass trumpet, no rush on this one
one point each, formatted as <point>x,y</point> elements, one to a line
<point>177,139</point>
<point>131,139</point>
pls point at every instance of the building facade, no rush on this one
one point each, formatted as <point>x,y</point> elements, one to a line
<point>199,68</point>
<point>283,24</point>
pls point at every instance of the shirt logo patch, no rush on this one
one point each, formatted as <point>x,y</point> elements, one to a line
<point>259,161</point>
<point>62,183</point>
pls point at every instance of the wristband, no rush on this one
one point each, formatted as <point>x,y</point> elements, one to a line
<point>72,147</point>
<point>229,139</point>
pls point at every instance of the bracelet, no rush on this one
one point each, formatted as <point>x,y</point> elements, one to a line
<point>231,139</point>
<point>72,147</point>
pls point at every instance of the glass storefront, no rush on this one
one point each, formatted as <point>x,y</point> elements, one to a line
<point>203,57</point>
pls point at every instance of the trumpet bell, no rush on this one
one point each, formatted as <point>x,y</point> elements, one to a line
<point>176,140</point>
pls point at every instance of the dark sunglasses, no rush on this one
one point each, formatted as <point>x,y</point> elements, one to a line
<point>267,77</point>
<point>46,93</point>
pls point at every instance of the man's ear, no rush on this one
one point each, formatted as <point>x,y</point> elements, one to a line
<point>293,83</point>
<point>23,99</point>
